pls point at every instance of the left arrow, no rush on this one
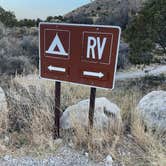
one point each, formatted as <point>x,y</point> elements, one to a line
<point>53,68</point>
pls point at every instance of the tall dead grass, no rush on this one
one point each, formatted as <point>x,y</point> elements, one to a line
<point>154,152</point>
<point>30,123</point>
<point>133,146</point>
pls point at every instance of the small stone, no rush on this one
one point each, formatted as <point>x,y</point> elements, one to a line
<point>45,161</point>
<point>71,144</point>
<point>6,139</point>
<point>58,141</point>
<point>3,148</point>
<point>108,161</point>
<point>7,157</point>
<point>3,102</point>
<point>86,154</point>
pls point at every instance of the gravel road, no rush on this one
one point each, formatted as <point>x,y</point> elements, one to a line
<point>157,70</point>
<point>64,156</point>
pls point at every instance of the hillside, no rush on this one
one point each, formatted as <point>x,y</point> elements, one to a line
<point>115,12</point>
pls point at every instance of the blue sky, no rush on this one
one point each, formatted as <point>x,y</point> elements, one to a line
<point>40,8</point>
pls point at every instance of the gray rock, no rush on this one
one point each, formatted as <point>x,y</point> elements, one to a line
<point>86,154</point>
<point>3,102</point>
<point>152,108</point>
<point>7,157</point>
<point>3,112</point>
<point>106,114</point>
<point>6,140</point>
<point>58,141</point>
<point>108,161</point>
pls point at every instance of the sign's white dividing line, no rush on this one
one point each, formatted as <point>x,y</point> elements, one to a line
<point>93,74</point>
<point>53,68</point>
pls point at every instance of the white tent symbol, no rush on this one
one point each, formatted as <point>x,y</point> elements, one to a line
<point>57,42</point>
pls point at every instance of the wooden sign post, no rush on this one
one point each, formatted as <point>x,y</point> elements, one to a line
<point>57,110</point>
<point>82,54</point>
<point>92,106</point>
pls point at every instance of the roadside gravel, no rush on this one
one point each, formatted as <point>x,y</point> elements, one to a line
<point>64,156</point>
<point>157,70</point>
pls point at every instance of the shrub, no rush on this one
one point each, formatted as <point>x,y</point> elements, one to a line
<point>114,19</point>
<point>19,50</point>
<point>123,55</point>
<point>29,45</point>
<point>2,30</point>
<point>7,18</point>
<point>80,19</point>
<point>146,30</point>
<point>13,65</point>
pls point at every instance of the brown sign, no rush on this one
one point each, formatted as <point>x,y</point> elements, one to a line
<point>84,54</point>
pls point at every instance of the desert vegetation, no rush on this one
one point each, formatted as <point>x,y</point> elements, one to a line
<point>27,117</point>
<point>29,127</point>
<point>146,33</point>
<point>19,50</point>
<point>143,40</point>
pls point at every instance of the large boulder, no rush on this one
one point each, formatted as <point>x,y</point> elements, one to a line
<point>152,109</point>
<point>106,115</point>
<point>3,102</point>
<point>3,112</point>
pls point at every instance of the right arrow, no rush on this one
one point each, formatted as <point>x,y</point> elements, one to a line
<point>93,74</point>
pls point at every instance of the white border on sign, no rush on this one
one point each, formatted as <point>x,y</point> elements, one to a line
<point>82,25</point>
<point>117,54</point>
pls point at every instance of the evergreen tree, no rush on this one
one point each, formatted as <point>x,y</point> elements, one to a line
<point>147,30</point>
<point>7,18</point>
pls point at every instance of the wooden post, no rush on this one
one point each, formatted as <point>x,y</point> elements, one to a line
<point>92,106</point>
<point>57,110</point>
<point>91,116</point>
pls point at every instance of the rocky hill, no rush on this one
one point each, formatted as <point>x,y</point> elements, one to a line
<point>115,12</point>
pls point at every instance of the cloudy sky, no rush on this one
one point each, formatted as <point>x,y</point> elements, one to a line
<point>40,8</point>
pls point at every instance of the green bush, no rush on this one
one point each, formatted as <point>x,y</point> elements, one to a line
<point>80,19</point>
<point>147,30</point>
<point>7,18</point>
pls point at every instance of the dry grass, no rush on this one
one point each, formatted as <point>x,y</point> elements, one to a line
<point>132,147</point>
<point>30,125</point>
<point>96,142</point>
<point>140,147</point>
<point>30,118</point>
<point>30,115</point>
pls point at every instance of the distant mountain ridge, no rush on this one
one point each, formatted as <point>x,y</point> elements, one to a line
<point>110,12</point>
